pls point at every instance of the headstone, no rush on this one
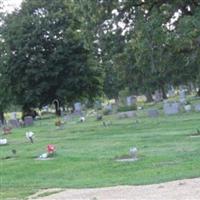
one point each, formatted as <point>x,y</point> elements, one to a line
<point>182,96</point>
<point>171,91</point>
<point>62,113</point>
<point>21,123</point>
<point>77,107</point>
<point>66,117</point>
<point>153,113</point>
<point>128,114</point>
<point>3,141</point>
<point>171,108</point>
<point>28,121</point>
<point>46,108</point>
<point>130,100</point>
<point>14,123</point>
<point>197,107</point>
<point>132,157</point>
<point>14,115</point>
<point>43,156</point>
<point>108,107</point>
<point>188,108</point>
<point>157,96</point>
<point>98,105</point>
<point>133,152</point>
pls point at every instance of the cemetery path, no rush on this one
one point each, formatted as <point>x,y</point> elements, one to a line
<point>188,189</point>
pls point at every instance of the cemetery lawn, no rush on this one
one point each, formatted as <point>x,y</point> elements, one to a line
<point>86,154</point>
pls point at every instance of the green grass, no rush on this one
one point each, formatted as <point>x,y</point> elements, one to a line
<point>86,154</point>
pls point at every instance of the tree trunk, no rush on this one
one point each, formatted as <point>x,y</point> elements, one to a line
<point>25,111</point>
<point>191,88</point>
<point>2,119</point>
<point>164,95</point>
<point>57,108</point>
<point>198,92</point>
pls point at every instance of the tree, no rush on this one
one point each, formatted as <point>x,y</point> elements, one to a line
<point>45,57</point>
<point>4,92</point>
<point>158,52</point>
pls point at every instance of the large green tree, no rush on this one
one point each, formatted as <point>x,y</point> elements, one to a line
<point>44,56</point>
<point>162,45</point>
<point>5,98</point>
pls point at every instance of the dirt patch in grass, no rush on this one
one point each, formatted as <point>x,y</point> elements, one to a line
<point>187,189</point>
<point>45,192</point>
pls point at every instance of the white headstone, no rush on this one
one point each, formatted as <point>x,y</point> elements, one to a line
<point>133,152</point>
<point>3,141</point>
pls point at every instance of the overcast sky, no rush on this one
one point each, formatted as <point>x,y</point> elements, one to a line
<point>10,5</point>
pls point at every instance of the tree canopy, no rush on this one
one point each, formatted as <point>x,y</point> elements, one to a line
<point>44,57</point>
<point>150,44</point>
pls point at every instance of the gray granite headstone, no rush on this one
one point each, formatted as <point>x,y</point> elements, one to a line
<point>153,113</point>
<point>197,107</point>
<point>67,117</point>
<point>128,114</point>
<point>171,108</point>
<point>182,96</point>
<point>157,96</point>
<point>171,91</point>
<point>14,123</point>
<point>108,107</point>
<point>28,121</point>
<point>77,107</point>
<point>130,100</point>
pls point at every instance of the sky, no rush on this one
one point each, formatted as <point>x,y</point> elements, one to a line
<point>10,5</point>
